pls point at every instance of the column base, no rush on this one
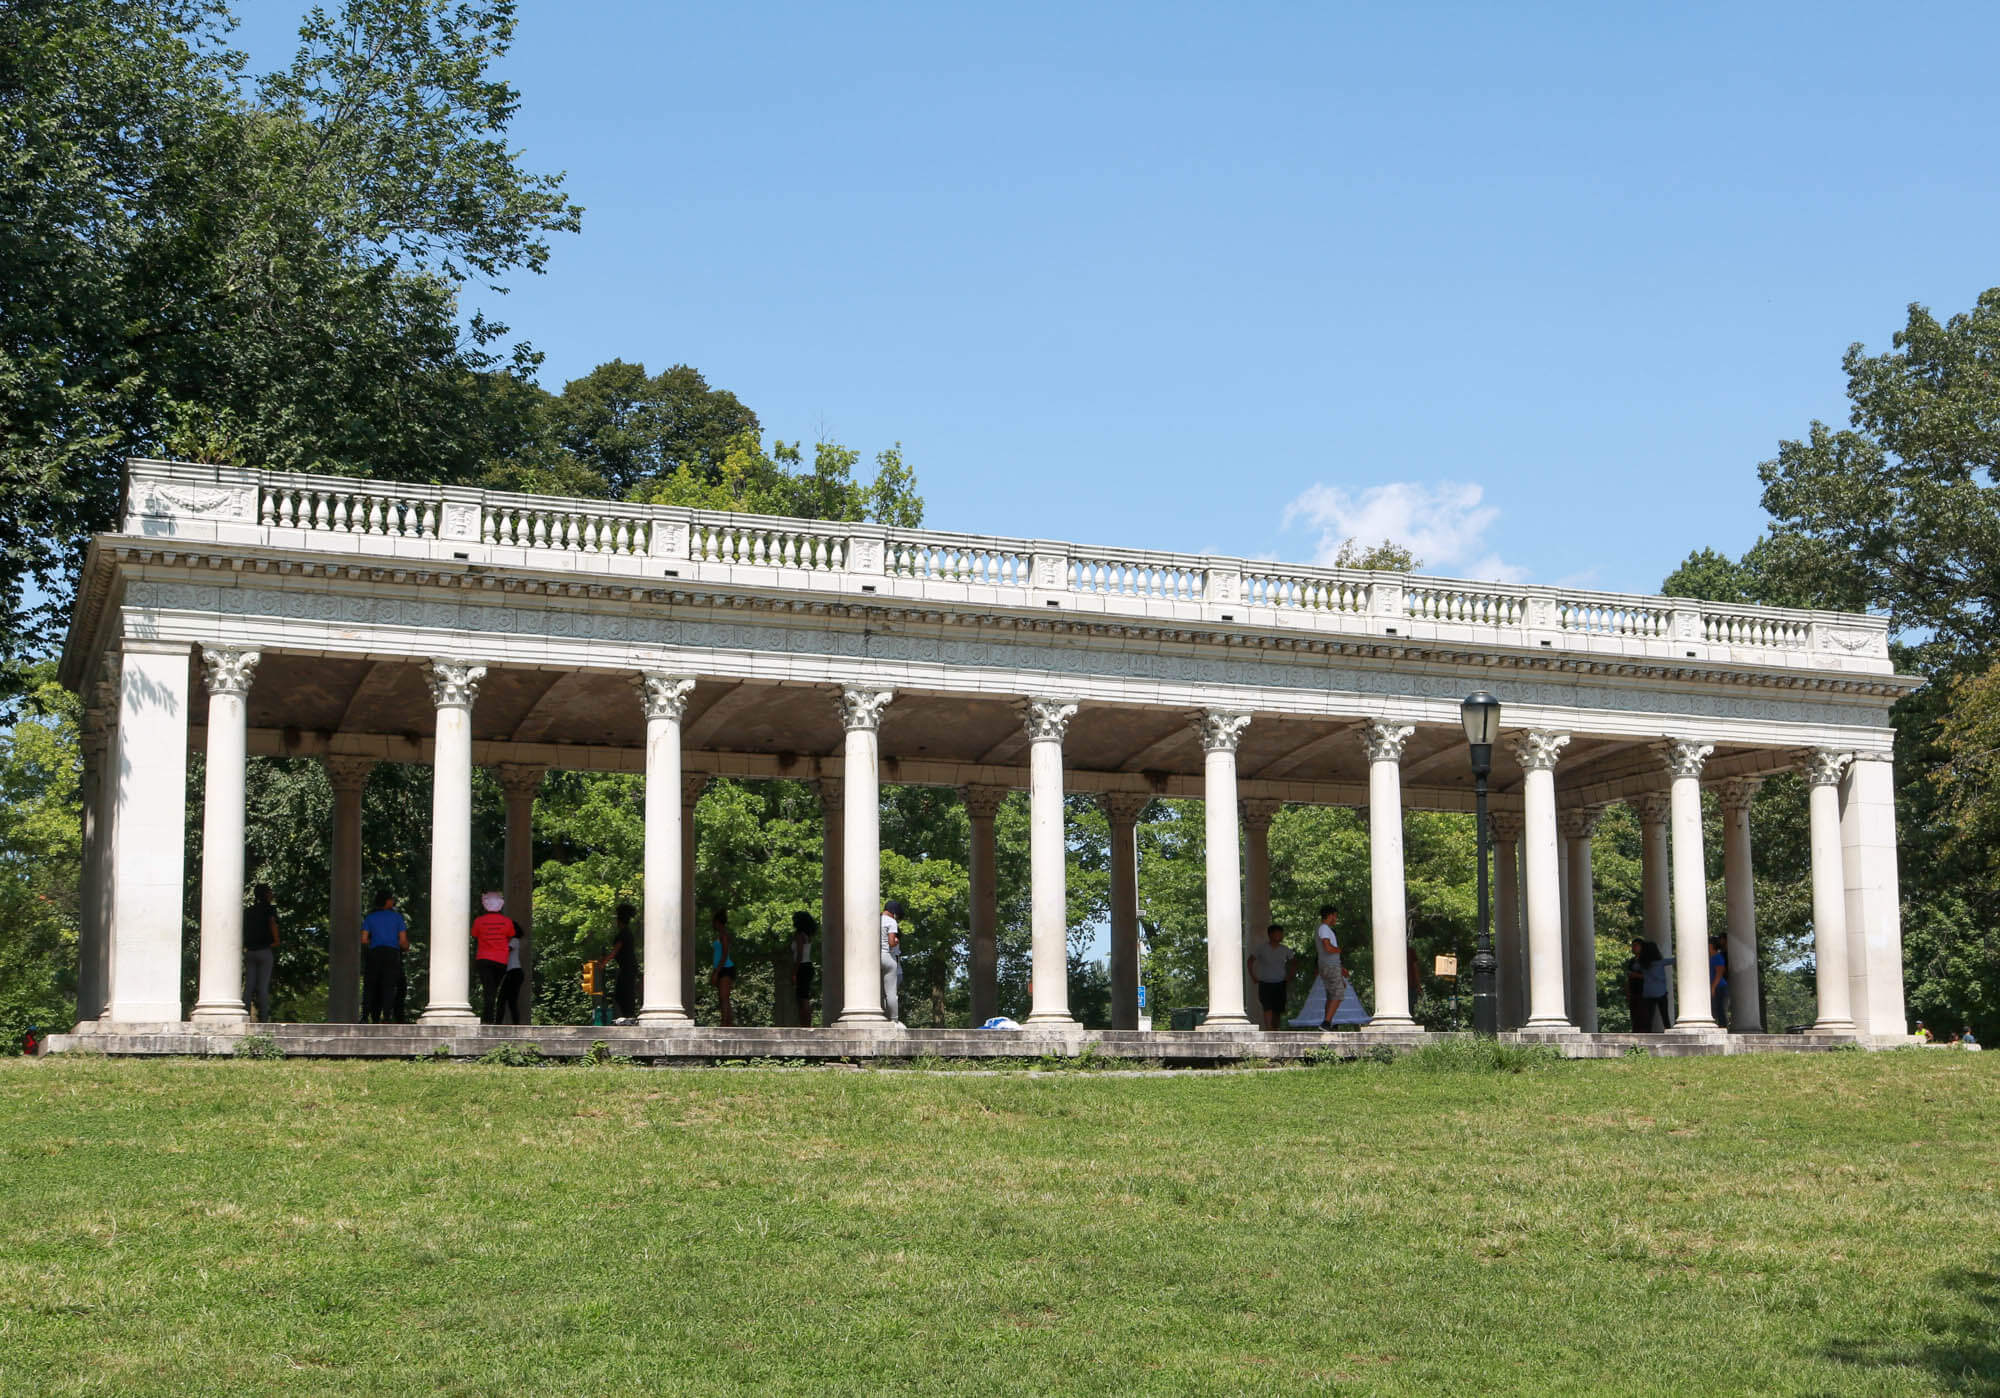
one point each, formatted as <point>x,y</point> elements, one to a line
<point>1696,1026</point>
<point>1833,1026</point>
<point>448,1014</point>
<point>1402,1024</point>
<point>221,1013</point>
<point>1227,1022</point>
<point>865,1019</point>
<point>1549,1026</point>
<point>1046,1020</point>
<point>665,1019</point>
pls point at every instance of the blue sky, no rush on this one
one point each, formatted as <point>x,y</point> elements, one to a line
<point>1533,288</point>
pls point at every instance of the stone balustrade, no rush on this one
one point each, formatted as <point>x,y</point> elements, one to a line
<point>455,526</point>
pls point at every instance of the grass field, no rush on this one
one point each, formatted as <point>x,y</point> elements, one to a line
<point>1786,1225</point>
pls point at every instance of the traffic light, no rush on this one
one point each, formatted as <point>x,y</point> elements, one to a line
<point>593,972</point>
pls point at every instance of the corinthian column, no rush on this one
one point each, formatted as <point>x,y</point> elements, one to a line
<point>1383,742</point>
<point>982,806</point>
<point>348,776</point>
<point>1684,763</point>
<point>1220,731</point>
<point>219,992</point>
<point>454,687</point>
<point>664,698</point>
<point>1124,809</point>
<point>1577,827</point>
<point>861,919</point>
<point>1829,893</point>
<point>1537,752</point>
<point>1737,795</point>
<point>1509,951</point>
<point>1047,720</point>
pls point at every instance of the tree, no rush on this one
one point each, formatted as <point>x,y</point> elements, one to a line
<point>40,861</point>
<point>629,428</point>
<point>271,280</point>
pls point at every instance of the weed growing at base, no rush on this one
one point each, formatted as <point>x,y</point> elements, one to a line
<point>1454,1221</point>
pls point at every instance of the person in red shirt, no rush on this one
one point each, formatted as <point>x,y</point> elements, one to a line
<point>492,930</point>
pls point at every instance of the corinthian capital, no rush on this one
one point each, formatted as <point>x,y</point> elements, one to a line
<point>1220,730</point>
<point>862,708</point>
<point>1538,748</point>
<point>1685,757</point>
<point>1824,766</point>
<point>663,695</point>
<point>228,671</point>
<point>1738,793</point>
<point>1383,742</point>
<point>454,684</point>
<point>1048,719</point>
<point>1579,824</point>
<point>983,802</point>
<point>520,778</point>
<point>1124,807</point>
<point>1507,826</point>
<point>347,773</point>
<point>1652,807</point>
<point>1259,811</point>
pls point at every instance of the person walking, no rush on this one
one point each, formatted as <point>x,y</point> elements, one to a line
<point>1270,967</point>
<point>510,983</point>
<point>624,959</point>
<point>1654,988</point>
<point>260,951</point>
<point>385,936</point>
<point>1332,974</point>
<point>1718,982</point>
<point>723,975</point>
<point>492,931</point>
<point>892,958</point>
<point>804,929</point>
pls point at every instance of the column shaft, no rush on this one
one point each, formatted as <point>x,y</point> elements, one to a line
<point>1577,828</point>
<point>1537,752</point>
<point>219,984</point>
<point>1875,922</point>
<point>147,854</point>
<point>1257,816</point>
<point>861,713</point>
<point>454,687</point>
<point>348,776</point>
<point>1048,861</point>
<point>1740,898</point>
<point>1383,743</point>
<point>1220,733</point>
<point>1829,894</point>
<point>1124,810</point>
<point>982,807</point>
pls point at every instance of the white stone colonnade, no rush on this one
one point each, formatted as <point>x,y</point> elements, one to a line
<point>686,645</point>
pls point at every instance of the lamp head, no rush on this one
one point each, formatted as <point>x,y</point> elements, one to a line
<point>1480,713</point>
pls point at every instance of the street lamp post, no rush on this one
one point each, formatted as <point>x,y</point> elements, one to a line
<point>1481,715</point>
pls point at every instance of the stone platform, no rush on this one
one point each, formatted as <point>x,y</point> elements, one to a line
<point>1200,1048</point>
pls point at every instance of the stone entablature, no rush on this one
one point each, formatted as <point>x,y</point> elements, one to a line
<point>599,543</point>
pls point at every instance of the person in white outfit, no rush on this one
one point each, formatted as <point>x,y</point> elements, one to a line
<point>1331,973</point>
<point>892,963</point>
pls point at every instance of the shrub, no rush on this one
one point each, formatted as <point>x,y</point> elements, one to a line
<point>513,1056</point>
<point>258,1046</point>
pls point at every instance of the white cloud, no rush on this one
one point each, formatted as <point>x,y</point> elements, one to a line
<point>1444,525</point>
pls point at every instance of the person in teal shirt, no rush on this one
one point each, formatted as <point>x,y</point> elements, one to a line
<point>723,976</point>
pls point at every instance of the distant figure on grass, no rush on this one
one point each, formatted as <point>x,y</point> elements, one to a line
<point>1332,974</point>
<point>260,951</point>
<point>804,929</point>
<point>510,983</point>
<point>1718,982</point>
<point>1654,988</point>
<point>723,976</point>
<point>1635,985</point>
<point>892,958</point>
<point>492,932</point>
<point>1271,967</point>
<point>385,936</point>
<point>624,959</point>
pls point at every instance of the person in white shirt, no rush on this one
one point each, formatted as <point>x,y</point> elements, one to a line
<point>804,929</point>
<point>1271,967</point>
<point>1331,973</point>
<point>892,963</point>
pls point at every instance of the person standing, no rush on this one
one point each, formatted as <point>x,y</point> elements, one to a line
<point>624,959</point>
<point>723,976</point>
<point>1331,974</point>
<point>492,930</point>
<point>804,929</point>
<point>1270,966</point>
<point>385,936</point>
<point>892,958</point>
<point>1718,982</point>
<point>510,983</point>
<point>260,951</point>
<point>1635,985</point>
<point>1655,986</point>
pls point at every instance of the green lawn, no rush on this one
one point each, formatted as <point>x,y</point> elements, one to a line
<point>1793,1225</point>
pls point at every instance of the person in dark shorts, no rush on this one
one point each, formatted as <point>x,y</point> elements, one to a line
<point>1271,967</point>
<point>804,929</point>
<point>493,932</point>
<point>385,936</point>
<point>260,951</point>
<point>1635,985</point>
<point>624,959</point>
<point>723,976</point>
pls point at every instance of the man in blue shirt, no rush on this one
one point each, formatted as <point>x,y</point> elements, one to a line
<point>385,936</point>
<point>1718,981</point>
